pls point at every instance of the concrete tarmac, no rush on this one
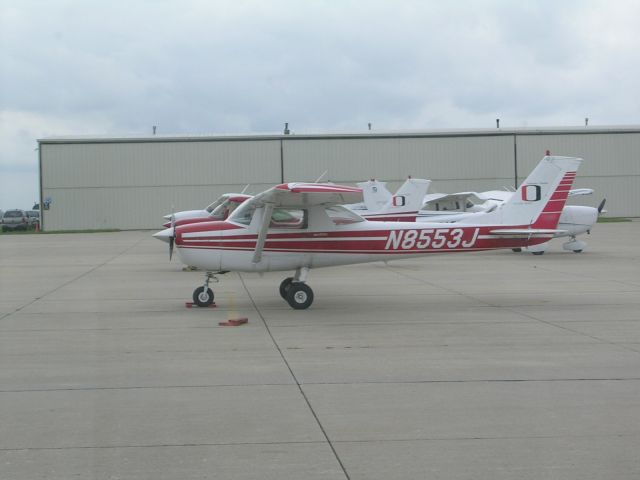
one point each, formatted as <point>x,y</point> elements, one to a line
<point>493,365</point>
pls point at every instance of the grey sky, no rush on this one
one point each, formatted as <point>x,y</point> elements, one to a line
<point>195,66</point>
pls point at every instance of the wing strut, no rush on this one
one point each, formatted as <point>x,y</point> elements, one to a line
<point>262,236</point>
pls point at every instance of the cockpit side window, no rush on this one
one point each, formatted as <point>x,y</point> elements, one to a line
<point>341,216</point>
<point>288,218</point>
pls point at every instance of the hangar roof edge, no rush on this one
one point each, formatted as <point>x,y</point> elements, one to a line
<point>342,135</point>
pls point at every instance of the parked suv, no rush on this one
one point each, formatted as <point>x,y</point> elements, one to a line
<point>15,220</point>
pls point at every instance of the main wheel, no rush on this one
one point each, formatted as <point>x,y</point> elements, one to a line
<point>577,251</point>
<point>538,253</point>
<point>202,297</point>
<point>299,296</point>
<point>517,250</point>
<point>284,287</point>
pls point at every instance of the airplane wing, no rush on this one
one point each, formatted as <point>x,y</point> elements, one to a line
<point>307,194</point>
<point>430,197</point>
<point>461,197</point>
<point>299,195</point>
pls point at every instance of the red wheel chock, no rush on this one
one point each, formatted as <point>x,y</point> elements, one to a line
<point>234,322</point>
<point>193,305</point>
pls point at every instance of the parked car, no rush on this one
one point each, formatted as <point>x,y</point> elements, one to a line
<point>34,218</point>
<point>15,220</point>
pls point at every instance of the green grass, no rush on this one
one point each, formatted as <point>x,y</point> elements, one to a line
<point>613,219</point>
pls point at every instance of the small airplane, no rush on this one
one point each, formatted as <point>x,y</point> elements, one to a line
<point>454,207</point>
<point>300,226</point>
<point>218,210</point>
<point>404,205</point>
<point>380,206</point>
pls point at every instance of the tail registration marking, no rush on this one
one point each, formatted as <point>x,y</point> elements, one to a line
<point>430,238</point>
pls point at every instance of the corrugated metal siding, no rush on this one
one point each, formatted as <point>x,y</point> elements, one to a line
<point>127,186</point>
<point>392,159</point>
<point>128,208</point>
<point>131,184</point>
<point>157,164</point>
<point>611,166</point>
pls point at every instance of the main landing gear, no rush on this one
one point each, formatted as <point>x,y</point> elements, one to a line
<point>574,245</point>
<point>295,291</point>
<point>203,296</point>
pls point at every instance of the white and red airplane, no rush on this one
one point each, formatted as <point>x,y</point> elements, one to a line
<point>300,226</point>
<point>404,205</point>
<point>575,219</point>
<point>380,206</point>
<point>455,207</point>
<point>218,210</point>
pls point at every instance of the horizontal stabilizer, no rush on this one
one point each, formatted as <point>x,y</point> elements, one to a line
<point>527,231</point>
<point>580,191</point>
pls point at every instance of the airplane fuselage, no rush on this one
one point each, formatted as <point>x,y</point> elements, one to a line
<point>221,246</point>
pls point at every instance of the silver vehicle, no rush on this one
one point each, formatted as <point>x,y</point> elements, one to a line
<point>34,218</point>
<point>15,220</point>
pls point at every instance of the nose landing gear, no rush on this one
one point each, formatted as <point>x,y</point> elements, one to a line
<point>203,296</point>
<point>574,245</point>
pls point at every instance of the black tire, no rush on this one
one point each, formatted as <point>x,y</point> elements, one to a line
<point>202,298</point>
<point>299,296</point>
<point>577,251</point>
<point>284,287</point>
<point>538,253</point>
<point>517,250</point>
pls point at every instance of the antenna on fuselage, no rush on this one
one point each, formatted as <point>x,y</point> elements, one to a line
<point>321,176</point>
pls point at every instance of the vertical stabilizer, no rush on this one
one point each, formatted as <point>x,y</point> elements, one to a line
<point>539,200</point>
<point>375,194</point>
<point>405,204</point>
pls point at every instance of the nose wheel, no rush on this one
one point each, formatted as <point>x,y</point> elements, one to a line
<point>203,296</point>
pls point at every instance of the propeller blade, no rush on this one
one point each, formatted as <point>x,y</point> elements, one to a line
<point>172,239</point>
<point>601,206</point>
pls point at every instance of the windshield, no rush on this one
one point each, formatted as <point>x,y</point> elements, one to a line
<point>221,211</point>
<point>244,213</point>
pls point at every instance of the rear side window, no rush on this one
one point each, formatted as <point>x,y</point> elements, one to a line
<point>341,216</point>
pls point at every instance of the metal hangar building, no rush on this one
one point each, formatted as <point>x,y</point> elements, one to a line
<point>89,183</point>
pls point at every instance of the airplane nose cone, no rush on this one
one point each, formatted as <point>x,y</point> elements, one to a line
<point>164,235</point>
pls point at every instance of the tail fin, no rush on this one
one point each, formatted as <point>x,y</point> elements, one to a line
<point>405,204</point>
<point>375,194</point>
<point>539,200</point>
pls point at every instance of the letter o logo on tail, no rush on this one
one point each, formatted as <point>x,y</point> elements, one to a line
<point>399,201</point>
<point>531,193</point>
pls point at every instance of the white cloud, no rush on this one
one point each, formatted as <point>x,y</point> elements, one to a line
<point>249,66</point>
